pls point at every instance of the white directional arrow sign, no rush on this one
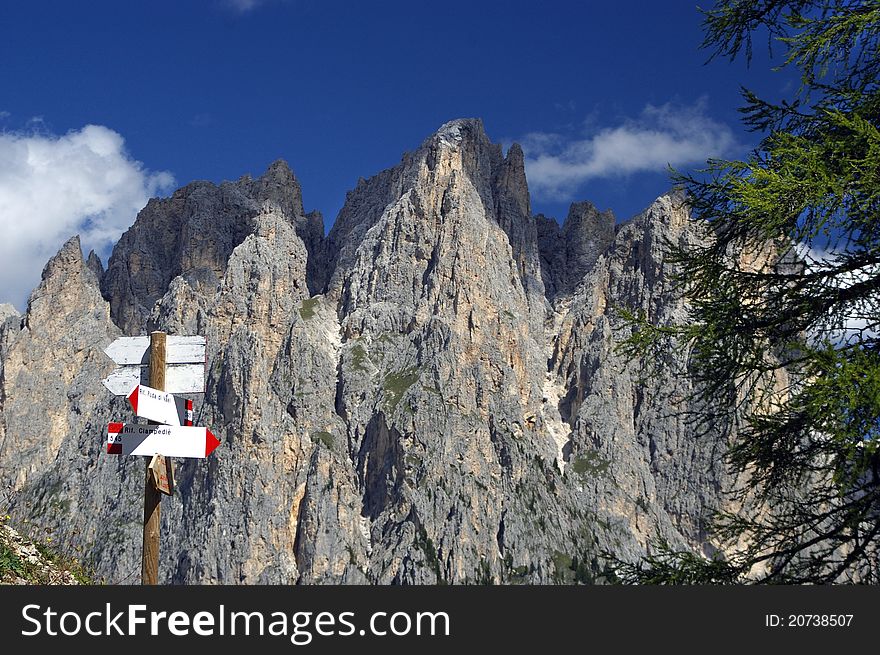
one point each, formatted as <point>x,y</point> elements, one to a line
<point>168,440</point>
<point>184,358</point>
<point>155,405</point>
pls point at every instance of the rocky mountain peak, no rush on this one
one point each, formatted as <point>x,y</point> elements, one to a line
<point>456,198</point>
<point>460,132</point>
<point>94,264</point>
<point>280,172</point>
<point>68,260</point>
<point>68,284</point>
<point>59,340</point>
<point>193,234</point>
<point>279,186</point>
<point>463,147</point>
<point>7,311</point>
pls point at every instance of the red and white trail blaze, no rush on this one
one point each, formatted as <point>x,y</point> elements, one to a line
<point>168,440</point>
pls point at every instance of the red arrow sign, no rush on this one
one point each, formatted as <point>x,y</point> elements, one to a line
<point>168,440</point>
<point>154,405</point>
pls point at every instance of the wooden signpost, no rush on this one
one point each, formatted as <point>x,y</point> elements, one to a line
<point>170,364</point>
<point>152,495</point>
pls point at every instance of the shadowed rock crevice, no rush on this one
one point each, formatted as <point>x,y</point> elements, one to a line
<point>380,466</point>
<point>569,253</point>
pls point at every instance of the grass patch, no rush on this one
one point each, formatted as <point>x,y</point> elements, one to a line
<point>45,569</point>
<point>590,463</point>
<point>10,564</point>
<point>324,437</point>
<point>397,384</point>
<point>76,568</point>
<point>358,357</point>
<point>307,309</point>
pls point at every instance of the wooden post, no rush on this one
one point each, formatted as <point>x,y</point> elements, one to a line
<point>152,496</point>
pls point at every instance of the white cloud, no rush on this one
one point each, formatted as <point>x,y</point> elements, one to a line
<point>859,321</point>
<point>670,134</point>
<point>247,6</point>
<point>52,187</point>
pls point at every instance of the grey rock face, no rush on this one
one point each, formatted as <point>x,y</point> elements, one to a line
<point>428,394</point>
<point>659,478</point>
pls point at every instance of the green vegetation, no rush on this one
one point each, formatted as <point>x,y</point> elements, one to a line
<point>670,567</point>
<point>483,574</point>
<point>47,566</point>
<point>10,564</point>
<point>325,438</point>
<point>783,336</point>
<point>570,570</point>
<point>76,568</point>
<point>217,367</point>
<point>397,384</point>
<point>307,309</point>
<point>562,566</point>
<point>426,544</point>
<point>591,463</point>
<point>358,357</point>
<point>515,574</point>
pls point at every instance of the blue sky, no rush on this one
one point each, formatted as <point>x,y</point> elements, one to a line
<point>104,104</point>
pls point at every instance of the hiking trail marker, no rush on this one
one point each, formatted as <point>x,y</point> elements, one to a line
<point>168,440</point>
<point>149,370</point>
<point>155,405</point>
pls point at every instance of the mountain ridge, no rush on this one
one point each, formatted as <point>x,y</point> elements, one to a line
<point>429,393</point>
